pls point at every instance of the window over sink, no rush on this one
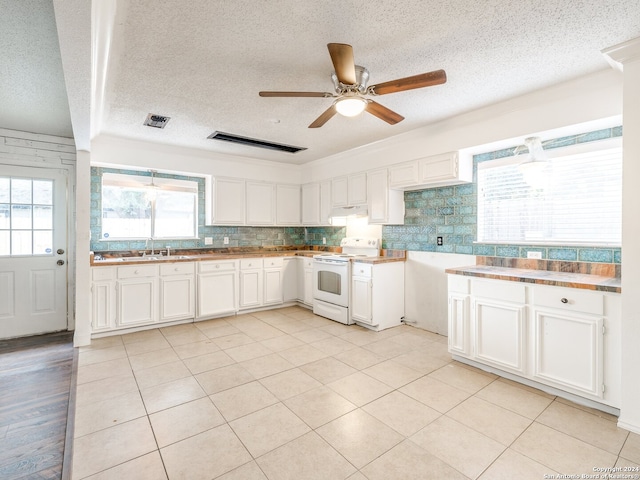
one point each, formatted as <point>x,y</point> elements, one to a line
<point>577,200</point>
<point>144,207</point>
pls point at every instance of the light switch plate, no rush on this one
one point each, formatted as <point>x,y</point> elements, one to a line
<point>208,240</point>
<point>534,255</point>
<point>226,240</point>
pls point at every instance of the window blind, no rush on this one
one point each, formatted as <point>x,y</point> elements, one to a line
<point>578,202</point>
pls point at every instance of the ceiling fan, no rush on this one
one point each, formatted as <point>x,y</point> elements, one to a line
<point>351,90</point>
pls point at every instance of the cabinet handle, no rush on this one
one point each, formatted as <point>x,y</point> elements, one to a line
<point>564,300</point>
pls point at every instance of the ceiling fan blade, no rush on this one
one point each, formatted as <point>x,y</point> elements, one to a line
<point>322,119</point>
<point>296,94</point>
<point>383,113</point>
<point>343,63</point>
<point>436,77</point>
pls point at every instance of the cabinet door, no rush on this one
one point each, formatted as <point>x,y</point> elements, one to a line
<point>403,175</point>
<point>103,306</point>
<point>458,335</point>
<point>308,286</point>
<point>217,294</point>
<point>136,301</point>
<point>325,202</point>
<point>261,199</point>
<point>311,204</point>
<point>177,297</point>
<point>340,192</point>
<point>357,190</point>
<point>361,299</point>
<point>250,288</point>
<point>498,332</point>
<point>377,196</point>
<point>288,204</point>
<point>273,286</point>
<point>438,168</point>
<point>228,201</point>
<point>568,351</point>
<point>290,280</point>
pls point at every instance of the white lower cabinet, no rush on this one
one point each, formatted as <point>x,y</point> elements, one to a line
<point>377,294</point>
<point>177,291</point>
<point>261,282</point>
<point>137,291</point>
<point>217,293</point>
<point>290,279</point>
<point>305,280</point>
<point>103,298</point>
<point>565,338</point>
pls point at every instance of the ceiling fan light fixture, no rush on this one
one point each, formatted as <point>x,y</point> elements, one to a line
<point>351,106</point>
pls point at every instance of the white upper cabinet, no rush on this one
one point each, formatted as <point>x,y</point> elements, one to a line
<point>347,191</point>
<point>228,201</point>
<point>449,168</point>
<point>385,206</point>
<point>316,203</point>
<point>261,201</point>
<point>311,204</point>
<point>288,204</point>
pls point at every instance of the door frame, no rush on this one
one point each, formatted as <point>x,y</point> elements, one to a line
<point>43,158</point>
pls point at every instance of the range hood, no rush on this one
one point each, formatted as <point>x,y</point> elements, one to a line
<point>354,211</point>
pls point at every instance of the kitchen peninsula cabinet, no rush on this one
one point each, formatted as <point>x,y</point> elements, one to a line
<point>546,336</point>
<point>377,294</point>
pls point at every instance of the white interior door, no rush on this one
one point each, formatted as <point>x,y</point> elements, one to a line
<point>33,251</point>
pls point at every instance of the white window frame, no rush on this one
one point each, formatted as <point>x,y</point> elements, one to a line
<point>585,150</point>
<point>155,183</point>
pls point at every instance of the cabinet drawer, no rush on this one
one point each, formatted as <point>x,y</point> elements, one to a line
<point>570,299</point>
<point>362,270</point>
<point>273,262</point>
<point>103,274</point>
<point>205,267</point>
<point>250,263</point>
<point>185,268</point>
<point>135,271</point>
<point>500,290</point>
<point>458,283</point>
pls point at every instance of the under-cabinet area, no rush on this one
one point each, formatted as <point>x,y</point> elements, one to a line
<point>564,338</point>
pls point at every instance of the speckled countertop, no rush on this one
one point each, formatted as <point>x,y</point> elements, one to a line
<point>590,276</point>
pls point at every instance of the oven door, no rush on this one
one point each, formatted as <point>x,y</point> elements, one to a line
<point>331,281</point>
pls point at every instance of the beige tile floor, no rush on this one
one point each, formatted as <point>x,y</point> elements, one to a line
<point>284,394</point>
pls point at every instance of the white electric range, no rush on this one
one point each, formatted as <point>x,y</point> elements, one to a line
<point>332,277</point>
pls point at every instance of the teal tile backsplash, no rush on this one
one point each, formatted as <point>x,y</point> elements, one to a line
<point>451,213</point>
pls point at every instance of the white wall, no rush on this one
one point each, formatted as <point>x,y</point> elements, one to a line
<point>425,291</point>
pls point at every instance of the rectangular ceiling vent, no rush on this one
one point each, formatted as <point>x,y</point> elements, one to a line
<point>156,121</point>
<point>252,142</point>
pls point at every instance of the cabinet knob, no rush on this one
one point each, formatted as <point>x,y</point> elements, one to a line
<point>217,266</point>
<point>564,300</point>
<point>135,272</point>
<point>176,269</point>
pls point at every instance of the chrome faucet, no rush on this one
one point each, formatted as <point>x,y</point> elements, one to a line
<point>146,247</point>
<point>168,250</point>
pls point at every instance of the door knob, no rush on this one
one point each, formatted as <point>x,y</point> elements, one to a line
<point>60,262</point>
<point>60,251</point>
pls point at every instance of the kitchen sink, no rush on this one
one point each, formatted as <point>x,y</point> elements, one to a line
<point>148,258</point>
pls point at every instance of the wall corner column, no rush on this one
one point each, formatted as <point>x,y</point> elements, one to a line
<point>82,335</point>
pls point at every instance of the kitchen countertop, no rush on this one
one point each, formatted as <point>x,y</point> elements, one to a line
<point>572,279</point>
<point>194,256</point>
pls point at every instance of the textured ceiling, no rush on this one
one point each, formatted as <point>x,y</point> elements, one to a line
<point>203,63</point>
<point>32,89</point>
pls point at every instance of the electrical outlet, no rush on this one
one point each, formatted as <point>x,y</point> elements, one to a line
<point>324,240</point>
<point>534,255</point>
<point>226,240</point>
<point>208,240</point>
<point>439,241</point>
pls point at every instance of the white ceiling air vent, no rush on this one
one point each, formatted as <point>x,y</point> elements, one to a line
<point>156,121</point>
<point>252,142</point>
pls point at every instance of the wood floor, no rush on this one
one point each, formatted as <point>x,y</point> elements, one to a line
<point>35,381</point>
